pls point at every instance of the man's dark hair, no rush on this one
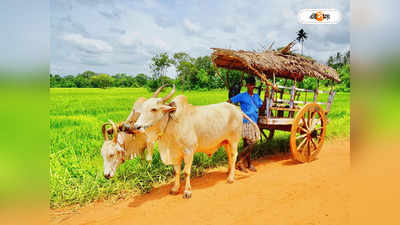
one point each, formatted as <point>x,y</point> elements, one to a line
<point>234,89</point>
<point>250,80</point>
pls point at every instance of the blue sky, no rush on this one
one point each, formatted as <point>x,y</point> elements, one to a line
<point>122,36</point>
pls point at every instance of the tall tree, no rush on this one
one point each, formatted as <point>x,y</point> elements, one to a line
<point>141,79</point>
<point>346,57</point>
<point>330,61</point>
<point>204,62</point>
<point>301,36</point>
<point>184,66</point>
<point>101,80</point>
<point>338,57</point>
<point>82,81</point>
<point>160,64</point>
<point>88,74</point>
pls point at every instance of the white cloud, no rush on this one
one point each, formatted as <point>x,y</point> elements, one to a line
<point>127,42</point>
<point>151,4</point>
<point>142,44</point>
<point>88,45</point>
<point>191,27</point>
<point>129,39</point>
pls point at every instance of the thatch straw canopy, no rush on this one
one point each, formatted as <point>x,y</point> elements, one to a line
<point>265,64</point>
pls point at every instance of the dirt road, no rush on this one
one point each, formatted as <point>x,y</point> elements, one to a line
<point>281,192</point>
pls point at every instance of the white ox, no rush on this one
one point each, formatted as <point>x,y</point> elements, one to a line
<point>123,145</point>
<point>183,129</point>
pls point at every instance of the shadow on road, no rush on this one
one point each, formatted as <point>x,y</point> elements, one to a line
<point>209,179</point>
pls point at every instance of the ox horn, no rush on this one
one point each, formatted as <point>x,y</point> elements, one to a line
<point>115,131</point>
<point>158,91</point>
<point>169,95</point>
<point>103,128</point>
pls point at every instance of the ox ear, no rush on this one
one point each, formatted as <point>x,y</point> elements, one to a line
<point>180,102</point>
<point>167,108</point>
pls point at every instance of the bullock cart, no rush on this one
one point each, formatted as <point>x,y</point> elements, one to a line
<point>288,107</point>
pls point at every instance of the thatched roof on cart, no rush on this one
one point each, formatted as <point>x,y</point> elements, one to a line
<point>281,63</point>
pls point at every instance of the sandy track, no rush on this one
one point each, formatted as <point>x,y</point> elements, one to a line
<point>281,192</point>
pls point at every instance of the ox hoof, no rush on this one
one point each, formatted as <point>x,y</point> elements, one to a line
<point>187,194</point>
<point>173,192</point>
<point>230,181</point>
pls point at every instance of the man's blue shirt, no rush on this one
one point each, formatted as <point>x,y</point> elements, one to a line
<point>248,106</point>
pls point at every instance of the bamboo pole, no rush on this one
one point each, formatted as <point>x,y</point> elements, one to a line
<point>274,78</point>
<point>283,90</point>
<point>292,93</point>
<point>331,97</point>
<point>316,92</point>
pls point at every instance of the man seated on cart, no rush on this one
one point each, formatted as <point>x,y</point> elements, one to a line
<point>249,103</point>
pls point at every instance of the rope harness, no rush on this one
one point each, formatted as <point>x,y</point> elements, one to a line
<point>161,133</point>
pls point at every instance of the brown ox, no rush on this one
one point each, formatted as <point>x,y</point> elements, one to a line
<point>183,129</point>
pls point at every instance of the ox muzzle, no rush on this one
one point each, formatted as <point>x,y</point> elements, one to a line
<point>128,128</point>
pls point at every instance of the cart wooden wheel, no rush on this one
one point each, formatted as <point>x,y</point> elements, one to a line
<point>308,133</point>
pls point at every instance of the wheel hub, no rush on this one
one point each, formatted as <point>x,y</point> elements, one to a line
<point>314,133</point>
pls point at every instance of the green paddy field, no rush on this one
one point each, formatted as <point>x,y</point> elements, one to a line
<point>76,165</point>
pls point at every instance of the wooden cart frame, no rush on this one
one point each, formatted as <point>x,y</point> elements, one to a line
<point>306,120</point>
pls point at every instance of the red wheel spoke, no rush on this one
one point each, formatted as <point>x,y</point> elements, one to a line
<point>312,141</point>
<point>304,122</point>
<point>302,128</point>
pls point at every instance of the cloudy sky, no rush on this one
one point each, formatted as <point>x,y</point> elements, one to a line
<point>122,36</point>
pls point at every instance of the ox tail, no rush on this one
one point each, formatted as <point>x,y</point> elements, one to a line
<point>258,133</point>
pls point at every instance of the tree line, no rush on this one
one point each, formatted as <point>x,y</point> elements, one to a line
<point>191,73</point>
<point>341,63</point>
<point>90,79</point>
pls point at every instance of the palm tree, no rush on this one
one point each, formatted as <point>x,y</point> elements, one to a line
<point>348,56</point>
<point>338,57</point>
<point>301,36</point>
<point>330,61</point>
